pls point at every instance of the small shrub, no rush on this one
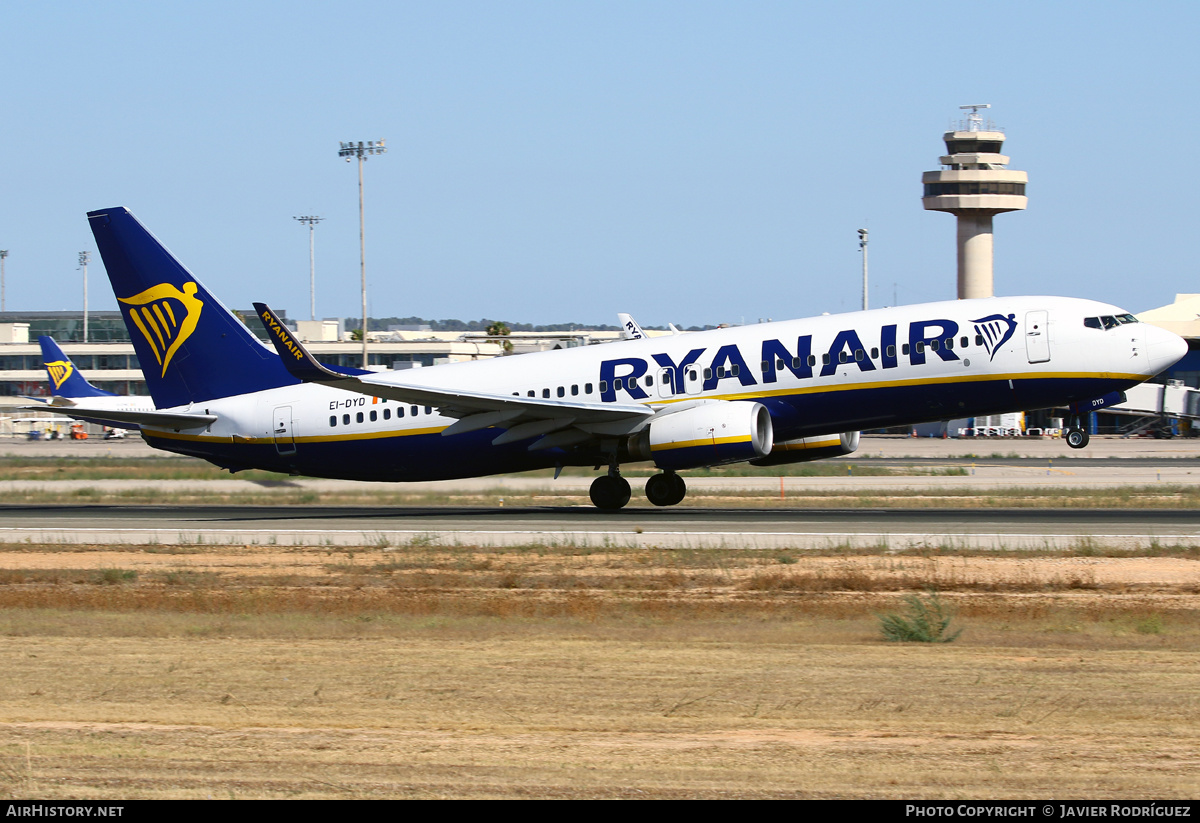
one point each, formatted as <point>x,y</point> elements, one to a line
<point>1150,625</point>
<point>924,620</point>
<point>113,576</point>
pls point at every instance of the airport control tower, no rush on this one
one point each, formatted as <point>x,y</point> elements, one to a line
<point>974,185</point>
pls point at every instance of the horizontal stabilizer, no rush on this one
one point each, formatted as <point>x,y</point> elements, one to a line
<point>128,419</point>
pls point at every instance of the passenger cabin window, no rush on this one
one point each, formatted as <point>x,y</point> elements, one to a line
<point>979,340</point>
<point>387,414</point>
<point>358,418</point>
<point>374,415</point>
<point>825,359</point>
<point>562,392</point>
<point>891,351</point>
<point>963,342</point>
<point>587,388</point>
<point>345,420</point>
<point>332,420</point>
<point>874,353</point>
<point>574,389</point>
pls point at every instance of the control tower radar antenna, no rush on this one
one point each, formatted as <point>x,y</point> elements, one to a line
<point>974,121</point>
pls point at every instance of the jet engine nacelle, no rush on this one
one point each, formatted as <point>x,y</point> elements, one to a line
<point>707,435</point>
<point>804,449</point>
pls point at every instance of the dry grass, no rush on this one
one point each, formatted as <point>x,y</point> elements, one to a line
<point>558,672</point>
<point>282,493</point>
<point>187,468</point>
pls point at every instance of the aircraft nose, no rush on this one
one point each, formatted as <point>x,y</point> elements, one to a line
<point>1164,348</point>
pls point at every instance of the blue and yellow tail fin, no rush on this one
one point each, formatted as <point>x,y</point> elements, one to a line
<point>65,379</point>
<point>190,346</point>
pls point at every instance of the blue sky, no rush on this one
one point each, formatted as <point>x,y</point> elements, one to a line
<point>693,162</point>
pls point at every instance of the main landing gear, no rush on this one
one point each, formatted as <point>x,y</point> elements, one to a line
<point>1077,436</point>
<point>665,489</point>
<point>611,492</point>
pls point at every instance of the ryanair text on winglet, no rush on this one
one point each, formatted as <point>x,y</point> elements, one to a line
<point>279,331</point>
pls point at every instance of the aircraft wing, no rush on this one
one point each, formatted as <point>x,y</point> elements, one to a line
<point>128,419</point>
<point>475,410</point>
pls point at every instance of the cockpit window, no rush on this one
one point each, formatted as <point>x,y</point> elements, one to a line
<point>1108,321</point>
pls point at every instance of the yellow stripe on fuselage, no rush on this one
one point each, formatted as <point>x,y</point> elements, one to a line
<point>326,438</point>
<point>890,384</point>
<point>707,441</point>
<point>748,395</point>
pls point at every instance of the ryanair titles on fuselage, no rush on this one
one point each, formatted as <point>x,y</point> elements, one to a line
<point>925,338</point>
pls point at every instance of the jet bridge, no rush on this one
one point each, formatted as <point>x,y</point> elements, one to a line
<point>1157,405</point>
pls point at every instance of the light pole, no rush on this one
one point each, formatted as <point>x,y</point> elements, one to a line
<point>362,151</point>
<point>312,222</point>
<point>862,245</point>
<point>84,257</point>
<point>3,254</point>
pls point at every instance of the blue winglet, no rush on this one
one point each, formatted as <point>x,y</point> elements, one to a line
<point>301,364</point>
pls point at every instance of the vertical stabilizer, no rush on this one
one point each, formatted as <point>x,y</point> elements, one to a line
<point>65,379</point>
<point>191,348</point>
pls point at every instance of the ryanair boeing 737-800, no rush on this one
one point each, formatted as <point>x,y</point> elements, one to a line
<point>770,394</point>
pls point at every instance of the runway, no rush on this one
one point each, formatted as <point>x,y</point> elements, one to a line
<point>675,528</point>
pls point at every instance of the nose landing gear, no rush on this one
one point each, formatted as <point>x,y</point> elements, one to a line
<point>1077,436</point>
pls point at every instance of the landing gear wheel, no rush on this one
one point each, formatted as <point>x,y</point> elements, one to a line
<point>679,489</point>
<point>1077,438</point>
<point>610,492</point>
<point>665,489</point>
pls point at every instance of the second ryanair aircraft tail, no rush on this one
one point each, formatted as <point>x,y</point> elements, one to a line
<point>190,346</point>
<point>65,379</point>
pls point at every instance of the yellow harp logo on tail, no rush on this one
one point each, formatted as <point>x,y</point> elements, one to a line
<point>166,317</point>
<point>59,371</point>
